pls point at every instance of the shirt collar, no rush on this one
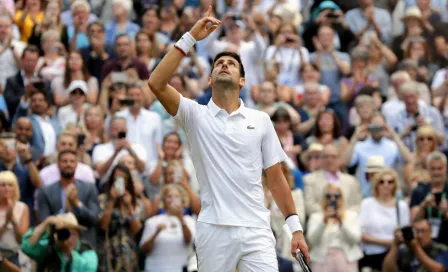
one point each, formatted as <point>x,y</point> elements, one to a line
<point>215,109</point>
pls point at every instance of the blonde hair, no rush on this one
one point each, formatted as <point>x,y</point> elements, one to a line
<point>379,176</point>
<point>341,204</point>
<point>426,131</point>
<point>169,187</point>
<point>10,178</point>
<point>102,136</point>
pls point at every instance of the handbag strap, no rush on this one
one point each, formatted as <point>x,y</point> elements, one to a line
<point>397,207</point>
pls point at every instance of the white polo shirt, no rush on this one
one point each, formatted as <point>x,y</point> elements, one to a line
<point>229,153</point>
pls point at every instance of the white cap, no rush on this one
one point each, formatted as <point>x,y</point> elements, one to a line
<point>78,84</point>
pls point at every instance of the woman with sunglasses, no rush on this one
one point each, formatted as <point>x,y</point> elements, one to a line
<point>426,142</point>
<point>334,234</point>
<point>380,215</point>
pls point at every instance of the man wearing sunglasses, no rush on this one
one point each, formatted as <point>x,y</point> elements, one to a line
<point>414,250</point>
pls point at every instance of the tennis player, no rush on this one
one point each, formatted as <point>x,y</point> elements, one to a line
<point>230,146</point>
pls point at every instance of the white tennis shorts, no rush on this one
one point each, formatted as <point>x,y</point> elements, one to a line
<point>227,248</point>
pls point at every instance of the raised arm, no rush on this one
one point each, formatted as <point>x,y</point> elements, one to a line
<point>158,82</point>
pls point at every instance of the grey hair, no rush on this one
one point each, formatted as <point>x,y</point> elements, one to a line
<point>409,87</point>
<point>7,15</point>
<point>116,117</point>
<point>400,75</point>
<point>362,99</point>
<point>79,3</point>
<point>50,34</point>
<point>436,156</point>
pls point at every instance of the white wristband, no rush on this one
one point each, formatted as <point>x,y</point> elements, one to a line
<point>293,223</point>
<point>185,43</point>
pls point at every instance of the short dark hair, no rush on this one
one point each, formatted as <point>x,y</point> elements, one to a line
<point>95,23</point>
<point>62,153</point>
<point>281,114</point>
<point>232,55</point>
<point>30,49</point>
<point>119,36</point>
<point>39,91</point>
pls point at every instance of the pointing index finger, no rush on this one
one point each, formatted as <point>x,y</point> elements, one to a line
<point>209,11</point>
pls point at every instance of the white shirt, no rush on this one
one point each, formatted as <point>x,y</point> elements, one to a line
<point>289,59</point>
<point>146,130</point>
<point>229,154</point>
<point>104,152</point>
<point>380,222</point>
<point>67,115</point>
<point>169,252</point>
<point>52,174</point>
<point>9,66</point>
<point>391,107</point>
<point>440,77</point>
<point>48,133</point>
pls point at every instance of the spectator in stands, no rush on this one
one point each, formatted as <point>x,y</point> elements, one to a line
<point>361,113</point>
<point>414,115</point>
<point>419,254</point>
<point>350,86</point>
<point>418,50</point>
<point>120,221</point>
<point>430,200</point>
<point>73,113</point>
<point>77,32</point>
<point>312,158</point>
<point>426,143</point>
<point>51,173</point>
<point>75,70</point>
<point>151,23</point>
<point>16,157</point>
<point>31,14</point>
<point>24,131</point>
<point>327,130</point>
<point>22,82</point>
<point>147,49</point>
<point>377,143</point>
<point>334,234</point>
<point>413,69</point>
<point>71,195</point>
<point>93,128</point>
<point>106,156</point>
<point>10,50</point>
<point>289,54</point>
<point>144,126</point>
<point>14,217</point>
<point>277,218</point>
<point>52,63</point>
<point>310,74</point>
<point>61,246</point>
<point>333,65</point>
<point>45,129</point>
<point>67,16</point>
<point>315,183</point>
<point>313,104</point>
<point>168,236</point>
<point>98,52</point>
<point>394,104</point>
<point>418,177</point>
<point>381,61</point>
<point>125,59</point>
<point>380,215</point>
<point>121,24</point>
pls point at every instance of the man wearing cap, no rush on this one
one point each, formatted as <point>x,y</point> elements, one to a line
<point>312,158</point>
<point>60,248</point>
<point>359,150</point>
<point>74,112</point>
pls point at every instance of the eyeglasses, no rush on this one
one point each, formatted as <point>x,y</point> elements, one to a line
<point>330,196</point>
<point>390,182</point>
<point>421,139</point>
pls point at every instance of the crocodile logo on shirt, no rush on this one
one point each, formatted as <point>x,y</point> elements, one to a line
<point>250,127</point>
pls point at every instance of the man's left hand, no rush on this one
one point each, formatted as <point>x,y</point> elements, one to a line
<point>298,242</point>
<point>72,195</point>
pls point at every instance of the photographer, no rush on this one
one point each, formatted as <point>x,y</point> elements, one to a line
<point>430,200</point>
<point>56,246</point>
<point>420,253</point>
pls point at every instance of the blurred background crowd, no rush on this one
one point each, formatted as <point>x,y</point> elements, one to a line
<point>96,175</point>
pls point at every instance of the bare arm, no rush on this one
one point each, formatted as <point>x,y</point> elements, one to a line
<point>107,215</point>
<point>158,81</point>
<point>34,175</point>
<point>22,227</point>
<point>343,66</point>
<point>428,263</point>
<point>369,239</point>
<point>390,262</point>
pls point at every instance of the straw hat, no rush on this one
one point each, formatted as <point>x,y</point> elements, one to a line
<point>412,13</point>
<point>375,164</point>
<point>314,147</point>
<point>68,221</point>
<point>289,13</point>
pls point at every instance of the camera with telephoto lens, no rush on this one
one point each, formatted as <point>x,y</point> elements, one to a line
<point>408,233</point>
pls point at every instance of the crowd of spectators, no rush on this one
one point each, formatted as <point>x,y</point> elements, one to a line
<point>96,175</point>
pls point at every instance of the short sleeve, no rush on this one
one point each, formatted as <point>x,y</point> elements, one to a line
<point>149,230</point>
<point>271,148</point>
<point>187,112</point>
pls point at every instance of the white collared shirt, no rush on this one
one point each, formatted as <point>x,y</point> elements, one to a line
<point>145,130</point>
<point>48,133</point>
<point>229,153</point>
<point>9,66</point>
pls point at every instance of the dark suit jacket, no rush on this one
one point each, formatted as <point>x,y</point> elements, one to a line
<point>15,89</point>
<point>50,203</point>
